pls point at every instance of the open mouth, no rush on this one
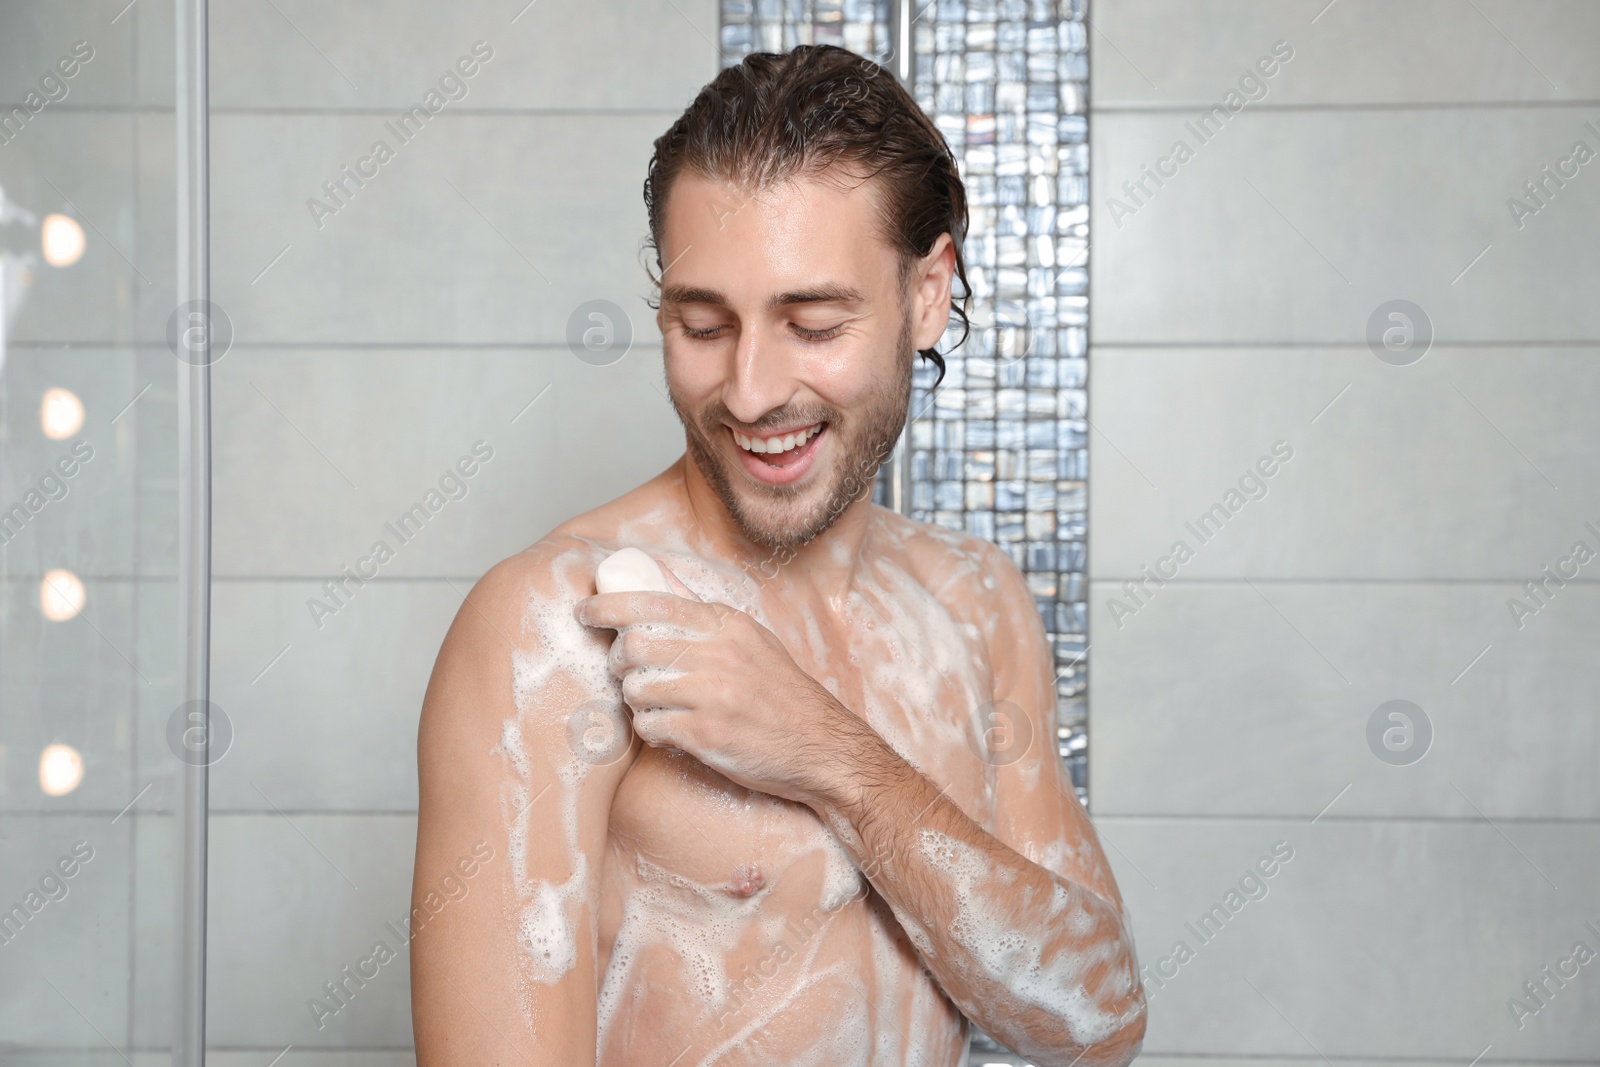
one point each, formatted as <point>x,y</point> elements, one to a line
<point>780,458</point>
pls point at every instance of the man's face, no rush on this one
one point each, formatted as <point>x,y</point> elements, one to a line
<point>784,321</point>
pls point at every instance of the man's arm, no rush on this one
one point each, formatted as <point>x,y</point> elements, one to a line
<point>1034,950</point>
<point>1024,928</point>
<point>505,974</point>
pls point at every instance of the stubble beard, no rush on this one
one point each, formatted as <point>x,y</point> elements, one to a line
<point>777,517</point>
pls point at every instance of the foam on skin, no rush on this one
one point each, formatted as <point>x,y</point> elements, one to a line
<point>1011,955</point>
<point>901,651</point>
<point>549,911</point>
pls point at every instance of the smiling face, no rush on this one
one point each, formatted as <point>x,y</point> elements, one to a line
<point>789,338</point>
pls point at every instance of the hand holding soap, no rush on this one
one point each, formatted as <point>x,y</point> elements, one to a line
<point>630,570</point>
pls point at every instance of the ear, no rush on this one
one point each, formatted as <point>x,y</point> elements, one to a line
<point>930,293</point>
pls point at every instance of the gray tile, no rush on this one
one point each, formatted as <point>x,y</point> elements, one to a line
<point>301,1057</point>
<point>1356,51</point>
<point>157,207</point>
<point>155,779</point>
<point>324,719</point>
<point>72,683</point>
<point>1385,940</point>
<point>157,898</point>
<point>1447,468</point>
<point>36,38</point>
<point>651,54</point>
<point>65,972</point>
<point>1299,226</point>
<point>292,903</point>
<point>319,453</point>
<point>481,229</point>
<point>82,521</point>
<point>80,164</point>
<point>152,413</point>
<point>1220,698</point>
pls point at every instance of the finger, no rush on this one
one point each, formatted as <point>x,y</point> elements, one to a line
<point>677,586</point>
<point>613,611</point>
<point>652,687</point>
<point>660,727</point>
<point>645,648</point>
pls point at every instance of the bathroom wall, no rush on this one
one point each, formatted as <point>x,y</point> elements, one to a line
<point>97,678</point>
<point>418,319</point>
<point>1404,495</point>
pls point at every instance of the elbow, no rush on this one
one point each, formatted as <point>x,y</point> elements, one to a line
<point>1118,1048</point>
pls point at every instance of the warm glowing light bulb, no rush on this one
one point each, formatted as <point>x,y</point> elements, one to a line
<point>60,413</point>
<point>61,595</point>
<point>60,770</point>
<point>62,240</point>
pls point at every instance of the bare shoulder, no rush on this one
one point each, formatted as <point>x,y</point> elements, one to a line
<point>530,595</point>
<point>972,577</point>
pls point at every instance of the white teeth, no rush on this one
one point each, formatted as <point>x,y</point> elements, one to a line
<point>771,446</point>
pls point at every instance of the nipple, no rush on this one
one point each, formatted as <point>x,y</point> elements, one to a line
<point>747,882</point>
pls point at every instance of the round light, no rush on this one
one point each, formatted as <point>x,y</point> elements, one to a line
<point>60,770</point>
<point>62,240</point>
<point>61,595</point>
<point>60,414</point>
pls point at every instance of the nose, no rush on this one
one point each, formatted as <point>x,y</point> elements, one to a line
<point>761,378</point>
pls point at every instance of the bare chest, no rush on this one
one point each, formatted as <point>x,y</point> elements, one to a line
<point>913,673</point>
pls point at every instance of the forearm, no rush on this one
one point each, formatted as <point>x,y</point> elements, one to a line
<point>1040,962</point>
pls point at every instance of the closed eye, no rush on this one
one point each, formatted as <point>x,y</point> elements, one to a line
<point>804,333</point>
<point>817,335</point>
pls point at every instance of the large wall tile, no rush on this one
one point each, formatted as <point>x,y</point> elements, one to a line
<point>294,899</point>
<point>1220,698</point>
<point>344,699</point>
<point>1386,940</point>
<point>324,448</point>
<point>1181,52</point>
<point>1296,226</point>
<point>78,163</point>
<point>63,972</point>
<point>157,896</point>
<point>554,54</point>
<point>83,520</point>
<point>1474,462</point>
<point>72,682</point>
<point>37,36</point>
<point>481,229</point>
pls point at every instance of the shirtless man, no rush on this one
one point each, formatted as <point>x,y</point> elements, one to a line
<point>767,818</point>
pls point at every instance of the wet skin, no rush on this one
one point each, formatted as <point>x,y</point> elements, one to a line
<point>808,808</point>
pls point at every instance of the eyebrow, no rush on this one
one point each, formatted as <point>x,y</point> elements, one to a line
<point>819,294</point>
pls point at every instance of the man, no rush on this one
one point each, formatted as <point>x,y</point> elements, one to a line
<point>766,818</point>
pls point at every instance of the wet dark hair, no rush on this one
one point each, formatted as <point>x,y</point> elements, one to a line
<point>780,115</point>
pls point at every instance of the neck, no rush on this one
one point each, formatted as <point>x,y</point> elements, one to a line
<point>827,564</point>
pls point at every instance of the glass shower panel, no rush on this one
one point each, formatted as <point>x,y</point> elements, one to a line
<point>88,684</point>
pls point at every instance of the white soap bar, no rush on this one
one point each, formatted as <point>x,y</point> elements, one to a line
<point>630,570</point>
